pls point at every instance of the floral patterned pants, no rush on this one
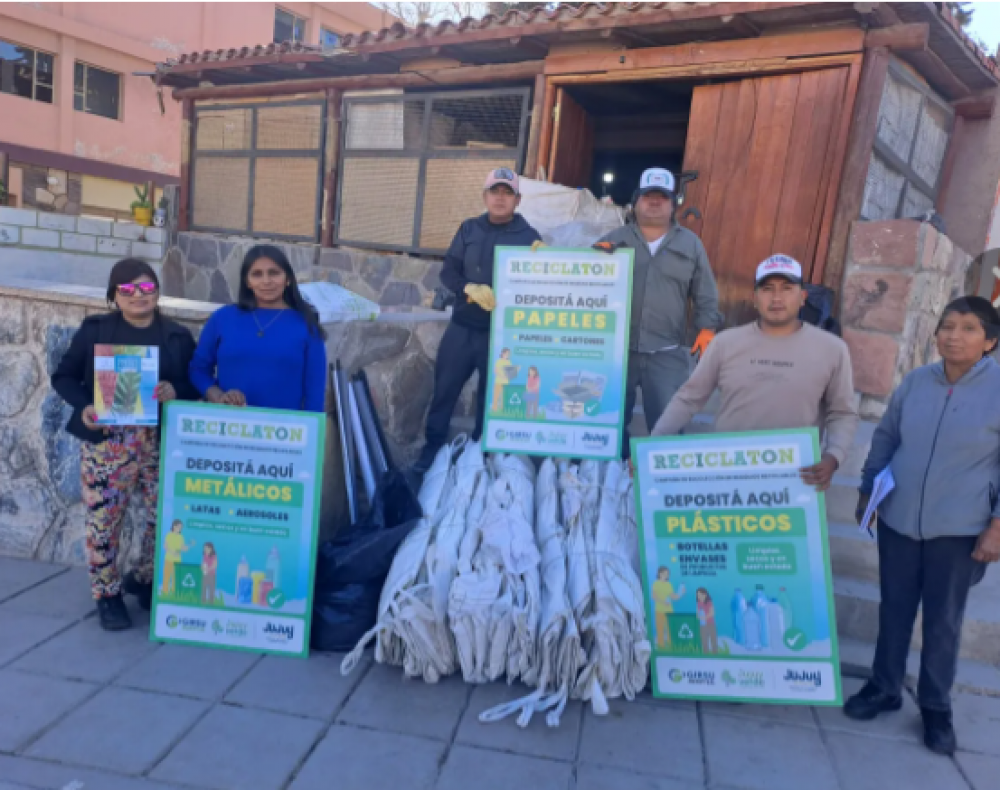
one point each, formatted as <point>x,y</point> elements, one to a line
<point>126,463</point>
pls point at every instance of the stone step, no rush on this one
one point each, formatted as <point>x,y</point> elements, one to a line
<point>974,677</point>
<point>857,605</point>
<point>852,554</point>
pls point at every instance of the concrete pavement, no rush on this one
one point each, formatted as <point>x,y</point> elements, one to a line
<point>84,710</point>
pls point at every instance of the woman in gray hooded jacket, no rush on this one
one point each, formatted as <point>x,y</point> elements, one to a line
<point>940,525</point>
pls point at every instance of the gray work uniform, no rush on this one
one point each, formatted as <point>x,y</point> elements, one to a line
<point>662,286</point>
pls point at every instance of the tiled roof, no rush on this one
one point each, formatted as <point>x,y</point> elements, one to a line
<point>262,51</point>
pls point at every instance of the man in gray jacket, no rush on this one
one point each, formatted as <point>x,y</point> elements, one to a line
<point>671,269</point>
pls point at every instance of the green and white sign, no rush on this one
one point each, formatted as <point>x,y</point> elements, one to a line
<point>238,526</point>
<point>558,352</point>
<point>736,569</point>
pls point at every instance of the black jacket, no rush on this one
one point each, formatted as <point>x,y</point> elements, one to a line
<point>74,377</point>
<point>470,260</point>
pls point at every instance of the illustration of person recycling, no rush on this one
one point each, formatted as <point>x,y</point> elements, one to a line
<point>503,372</point>
<point>532,392</point>
<point>209,567</point>
<point>664,597</point>
<point>175,545</point>
<point>706,617</point>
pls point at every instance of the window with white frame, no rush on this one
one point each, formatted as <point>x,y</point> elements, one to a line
<point>911,139</point>
<point>288,27</point>
<point>26,72</point>
<point>97,91</point>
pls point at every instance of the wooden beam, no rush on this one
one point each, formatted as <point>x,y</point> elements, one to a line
<point>741,25</point>
<point>628,38</point>
<point>504,72</point>
<point>900,38</point>
<point>938,74</point>
<point>821,42</point>
<point>976,108</point>
<point>187,143</point>
<point>545,135</point>
<point>530,168</point>
<point>864,121</point>
<point>532,46</point>
<point>331,165</point>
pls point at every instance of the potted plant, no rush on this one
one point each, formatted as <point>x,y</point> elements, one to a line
<point>142,209</point>
<point>160,215</point>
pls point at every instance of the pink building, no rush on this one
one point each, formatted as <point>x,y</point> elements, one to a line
<point>81,121</point>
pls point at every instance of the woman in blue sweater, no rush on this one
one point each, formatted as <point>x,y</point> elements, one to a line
<point>267,350</point>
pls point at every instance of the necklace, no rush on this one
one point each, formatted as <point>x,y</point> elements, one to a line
<point>262,329</point>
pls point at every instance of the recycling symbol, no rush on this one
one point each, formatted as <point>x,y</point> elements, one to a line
<point>189,581</point>
<point>515,399</point>
<point>685,632</point>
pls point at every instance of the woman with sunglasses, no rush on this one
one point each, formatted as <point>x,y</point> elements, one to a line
<point>116,461</point>
<point>267,350</point>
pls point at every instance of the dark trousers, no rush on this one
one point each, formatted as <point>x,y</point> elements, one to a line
<point>461,352</point>
<point>659,375</point>
<point>938,575</point>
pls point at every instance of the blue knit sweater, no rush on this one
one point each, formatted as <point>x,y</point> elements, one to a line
<point>283,369</point>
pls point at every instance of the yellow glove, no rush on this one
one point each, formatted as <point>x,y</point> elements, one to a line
<point>537,245</point>
<point>482,295</point>
<point>705,336</point>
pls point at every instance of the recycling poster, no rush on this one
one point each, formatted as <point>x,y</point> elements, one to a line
<point>558,352</point>
<point>125,379</point>
<point>735,568</point>
<point>238,526</point>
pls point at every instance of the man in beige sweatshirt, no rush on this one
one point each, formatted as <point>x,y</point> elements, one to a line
<point>775,373</point>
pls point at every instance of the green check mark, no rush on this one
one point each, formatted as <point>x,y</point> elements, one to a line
<point>276,599</point>
<point>795,639</point>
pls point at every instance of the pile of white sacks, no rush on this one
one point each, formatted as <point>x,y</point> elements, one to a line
<point>517,574</point>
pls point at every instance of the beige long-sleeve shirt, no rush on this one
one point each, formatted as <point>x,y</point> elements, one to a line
<point>771,383</point>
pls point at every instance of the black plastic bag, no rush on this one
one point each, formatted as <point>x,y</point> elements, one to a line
<point>351,568</point>
<point>818,309</point>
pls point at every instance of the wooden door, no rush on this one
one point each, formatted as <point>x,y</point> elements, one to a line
<point>572,143</point>
<point>767,149</point>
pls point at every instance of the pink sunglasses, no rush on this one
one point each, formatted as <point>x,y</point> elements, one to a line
<point>129,289</point>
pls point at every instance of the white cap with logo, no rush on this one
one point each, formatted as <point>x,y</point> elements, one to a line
<point>657,179</point>
<point>779,266</point>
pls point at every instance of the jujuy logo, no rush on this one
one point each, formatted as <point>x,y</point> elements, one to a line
<point>279,633</point>
<point>802,679</point>
<point>596,438</point>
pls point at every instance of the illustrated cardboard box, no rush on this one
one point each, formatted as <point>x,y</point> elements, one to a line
<point>580,393</point>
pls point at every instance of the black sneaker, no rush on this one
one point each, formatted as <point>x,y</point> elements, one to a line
<point>870,702</point>
<point>143,592</point>
<point>112,613</point>
<point>939,734</point>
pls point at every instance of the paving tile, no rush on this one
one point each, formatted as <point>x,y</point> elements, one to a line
<point>765,756</point>
<point>40,775</point>
<point>188,671</point>
<point>119,730</point>
<point>8,786</point>
<point>980,770</point>
<point>18,575</point>
<point>467,767</point>
<point>86,652</point>
<point>799,715</point>
<point>597,777</point>
<point>235,749</point>
<point>977,723</point>
<point>873,764</point>
<point>662,741</point>
<point>30,703</point>
<point>66,596</point>
<point>21,632</point>
<point>313,688</point>
<point>536,740</point>
<point>369,760</point>
<point>386,700</point>
<point>902,725</point>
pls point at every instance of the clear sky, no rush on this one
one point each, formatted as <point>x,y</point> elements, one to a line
<point>986,24</point>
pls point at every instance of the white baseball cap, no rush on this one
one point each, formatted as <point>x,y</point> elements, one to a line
<point>779,266</point>
<point>656,179</point>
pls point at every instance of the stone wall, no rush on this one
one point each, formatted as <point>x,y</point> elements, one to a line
<point>206,266</point>
<point>41,513</point>
<point>61,196</point>
<point>899,276</point>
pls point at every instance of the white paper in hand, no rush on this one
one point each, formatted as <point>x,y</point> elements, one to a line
<point>884,483</point>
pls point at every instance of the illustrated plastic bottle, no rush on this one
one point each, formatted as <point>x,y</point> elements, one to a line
<point>244,585</point>
<point>738,608</point>
<point>785,602</point>
<point>242,570</point>
<point>273,567</point>
<point>760,604</point>
<point>775,622</point>
<point>751,620</point>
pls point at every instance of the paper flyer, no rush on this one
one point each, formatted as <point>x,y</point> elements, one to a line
<point>125,378</point>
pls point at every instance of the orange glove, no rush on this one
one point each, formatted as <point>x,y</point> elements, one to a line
<point>705,336</point>
<point>607,246</point>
